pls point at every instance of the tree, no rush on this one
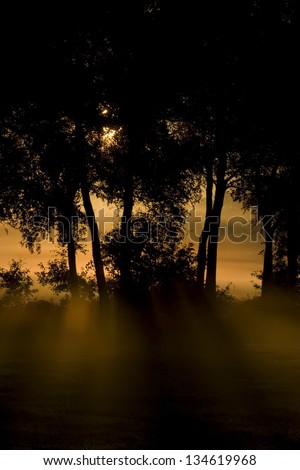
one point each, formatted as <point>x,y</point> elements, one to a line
<point>17,284</point>
<point>258,186</point>
<point>61,92</point>
<point>270,170</point>
<point>56,276</point>
<point>161,260</point>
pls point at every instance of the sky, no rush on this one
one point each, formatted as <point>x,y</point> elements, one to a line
<point>236,261</point>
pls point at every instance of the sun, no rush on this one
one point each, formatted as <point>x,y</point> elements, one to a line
<point>108,134</point>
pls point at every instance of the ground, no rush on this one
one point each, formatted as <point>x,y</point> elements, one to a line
<point>176,377</point>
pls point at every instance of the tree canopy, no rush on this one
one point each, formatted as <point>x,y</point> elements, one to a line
<point>151,105</point>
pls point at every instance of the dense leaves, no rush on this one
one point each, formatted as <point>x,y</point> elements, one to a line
<point>16,283</point>
<point>150,105</point>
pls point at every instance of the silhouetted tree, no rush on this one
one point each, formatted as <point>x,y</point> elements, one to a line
<point>55,274</point>
<point>17,284</point>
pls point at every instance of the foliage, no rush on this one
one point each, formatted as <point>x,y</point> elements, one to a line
<point>159,255</point>
<point>120,101</point>
<point>224,294</point>
<point>17,284</point>
<point>55,275</point>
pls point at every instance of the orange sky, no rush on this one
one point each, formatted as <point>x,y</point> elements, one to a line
<point>235,264</point>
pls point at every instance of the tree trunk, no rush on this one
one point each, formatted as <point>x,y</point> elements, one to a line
<point>213,242</point>
<point>221,185</point>
<point>74,288</point>
<point>267,275</point>
<point>96,245</point>
<point>125,257</point>
<point>67,221</point>
<point>203,239</point>
<point>220,152</point>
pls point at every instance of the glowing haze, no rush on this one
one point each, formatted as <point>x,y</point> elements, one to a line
<point>236,261</point>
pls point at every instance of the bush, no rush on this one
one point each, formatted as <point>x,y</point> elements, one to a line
<point>17,284</point>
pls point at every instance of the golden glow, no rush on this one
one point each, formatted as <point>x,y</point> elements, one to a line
<point>108,134</point>
<point>234,374</point>
<point>236,262</point>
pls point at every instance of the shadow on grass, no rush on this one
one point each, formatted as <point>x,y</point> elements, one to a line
<point>166,375</point>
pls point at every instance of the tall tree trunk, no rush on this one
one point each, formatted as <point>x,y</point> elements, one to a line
<point>88,207</point>
<point>67,221</point>
<point>74,288</point>
<point>135,143</point>
<point>125,257</point>
<point>203,239</point>
<point>96,245</point>
<point>267,275</point>
<point>213,242</point>
<point>220,152</point>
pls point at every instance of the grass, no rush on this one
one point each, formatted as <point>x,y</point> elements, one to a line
<point>171,377</point>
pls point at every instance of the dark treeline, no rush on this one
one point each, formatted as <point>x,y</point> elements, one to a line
<point>149,105</point>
